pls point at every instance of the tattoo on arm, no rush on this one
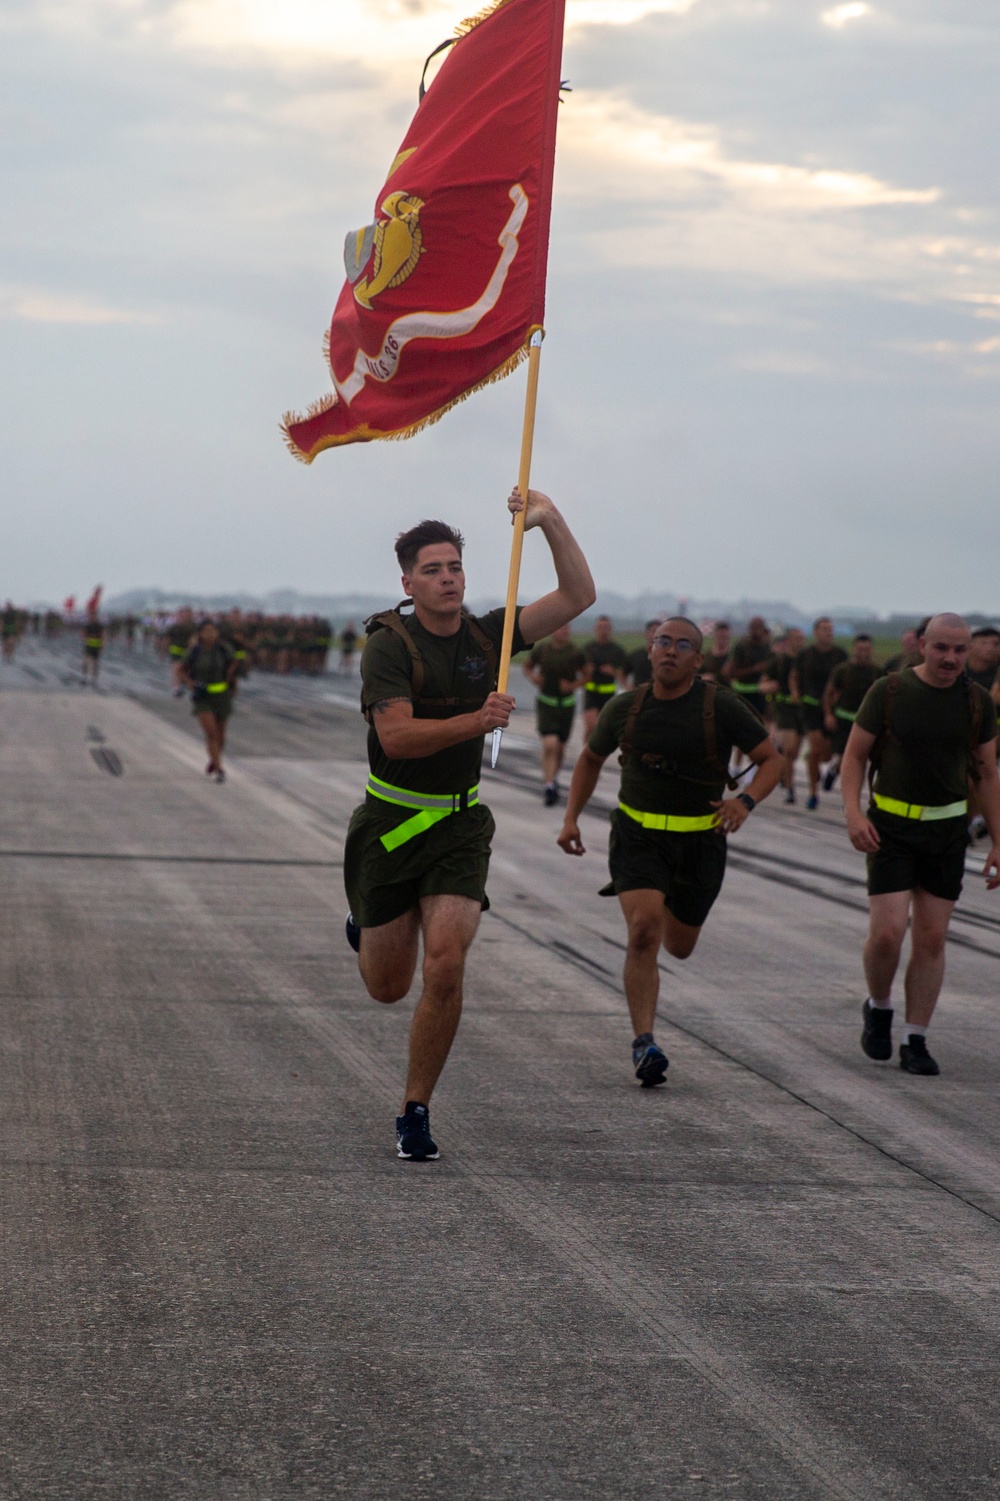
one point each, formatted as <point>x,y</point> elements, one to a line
<point>387,703</point>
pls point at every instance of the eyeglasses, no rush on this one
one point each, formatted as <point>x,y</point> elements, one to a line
<point>680,643</point>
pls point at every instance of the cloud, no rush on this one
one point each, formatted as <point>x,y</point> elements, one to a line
<point>36,305</point>
<point>606,130</point>
<point>840,15</point>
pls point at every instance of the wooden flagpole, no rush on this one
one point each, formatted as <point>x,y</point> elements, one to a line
<point>523,482</point>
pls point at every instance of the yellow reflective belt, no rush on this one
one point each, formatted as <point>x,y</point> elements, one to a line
<point>215,687</point>
<point>845,714</point>
<point>918,810</point>
<point>783,698</point>
<point>176,651</point>
<point>812,702</point>
<point>745,687</point>
<point>569,702</point>
<point>670,823</point>
<point>599,687</point>
<point>94,640</point>
<point>433,807</point>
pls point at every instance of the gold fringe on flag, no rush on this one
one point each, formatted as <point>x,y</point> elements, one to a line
<point>364,433</point>
<point>471,22</point>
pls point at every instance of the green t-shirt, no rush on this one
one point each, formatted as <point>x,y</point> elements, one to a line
<point>713,665</point>
<point>749,659</point>
<point>559,664</point>
<point>606,658</point>
<point>673,729</point>
<point>208,664</point>
<point>925,759</point>
<point>779,667</point>
<point>851,682</point>
<point>814,668</point>
<point>455,667</point>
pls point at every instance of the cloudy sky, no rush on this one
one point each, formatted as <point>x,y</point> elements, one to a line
<point>773,363</point>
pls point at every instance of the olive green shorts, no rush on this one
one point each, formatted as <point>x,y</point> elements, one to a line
<point>451,858</point>
<point>221,705</point>
<point>553,721</point>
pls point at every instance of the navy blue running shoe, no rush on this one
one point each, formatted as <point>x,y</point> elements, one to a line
<point>650,1064</point>
<point>812,802</point>
<point>353,934</point>
<point>413,1134</point>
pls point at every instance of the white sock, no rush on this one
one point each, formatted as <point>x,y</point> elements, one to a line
<point>911,1031</point>
<point>879,1005</point>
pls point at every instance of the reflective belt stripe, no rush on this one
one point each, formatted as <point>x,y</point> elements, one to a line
<point>599,687</point>
<point>448,802</point>
<point>413,826</point>
<point>812,702</point>
<point>176,651</point>
<point>783,698</point>
<point>845,714</point>
<point>214,687</point>
<point>95,640</point>
<point>557,703</point>
<point>918,810</point>
<point>745,687</point>
<point>670,822</point>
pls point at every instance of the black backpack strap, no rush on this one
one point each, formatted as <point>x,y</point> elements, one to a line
<point>392,620</point>
<point>712,758</point>
<point>627,741</point>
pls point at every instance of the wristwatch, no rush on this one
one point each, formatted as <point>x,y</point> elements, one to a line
<point>748,802</point>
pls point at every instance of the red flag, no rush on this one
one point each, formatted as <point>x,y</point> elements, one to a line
<point>94,600</point>
<point>446,286</point>
<point>69,605</point>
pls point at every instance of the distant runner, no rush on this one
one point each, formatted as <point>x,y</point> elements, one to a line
<point>418,849</point>
<point>747,665</point>
<point>556,667</point>
<point>787,711</point>
<point>808,678</point>
<point>925,730</point>
<point>842,698</point>
<point>11,630</point>
<point>715,661</point>
<point>667,850</point>
<point>348,644</point>
<point>639,668</point>
<point>209,669</point>
<point>93,645</point>
<point>606,664</point>
<point>178,636</point>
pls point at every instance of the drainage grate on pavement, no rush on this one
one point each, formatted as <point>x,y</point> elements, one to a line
<point>107,760</point>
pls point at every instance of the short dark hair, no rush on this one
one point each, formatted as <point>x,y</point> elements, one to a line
<point>985,630</point>
<point>920,630</point>
<point>862,636</point>
<point>722,625</point>
<point>821,620</point>
<point>425,534</point>
<point>695,630</point>
<point>650,623</point>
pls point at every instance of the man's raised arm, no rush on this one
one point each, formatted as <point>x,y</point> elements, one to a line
<point>574,591</point>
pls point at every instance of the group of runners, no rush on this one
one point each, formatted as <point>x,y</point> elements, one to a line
<point>677,712</point>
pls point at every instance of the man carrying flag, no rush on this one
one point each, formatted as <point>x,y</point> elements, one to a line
<point>445,292</point>
<point>418,847</point>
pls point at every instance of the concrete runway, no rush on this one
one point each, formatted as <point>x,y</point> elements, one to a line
<point>777,1277</point>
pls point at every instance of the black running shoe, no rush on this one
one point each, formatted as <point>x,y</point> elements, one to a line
<point>790,795</point>
<point>650,1064</point>
<point>876,1032</point>
<point>914,1057</point>
<point>551,796</point>
<point>414,1141</point>
<point>353,933</point>
<point>829,778</point>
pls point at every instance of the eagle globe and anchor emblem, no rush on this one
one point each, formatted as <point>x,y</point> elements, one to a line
<point>384,254</point>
